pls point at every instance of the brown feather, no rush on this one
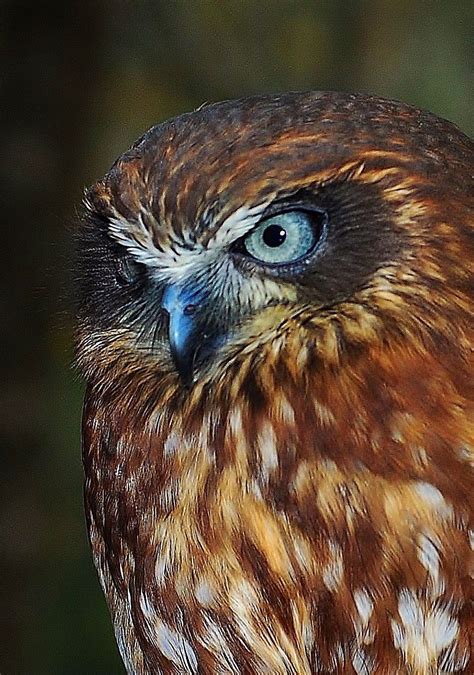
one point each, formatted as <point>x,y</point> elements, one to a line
<point>306,506</point>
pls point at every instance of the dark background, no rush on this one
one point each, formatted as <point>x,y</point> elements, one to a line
<point>79,83</point>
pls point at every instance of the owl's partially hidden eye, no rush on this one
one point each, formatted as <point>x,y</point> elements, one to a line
<point>275,326</point>
<point>127,270</point>
<point>285,237</point>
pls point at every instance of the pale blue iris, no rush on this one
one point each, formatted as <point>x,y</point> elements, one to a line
<point>282,238</point>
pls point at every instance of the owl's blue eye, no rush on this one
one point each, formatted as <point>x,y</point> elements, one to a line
<point>284,237</point>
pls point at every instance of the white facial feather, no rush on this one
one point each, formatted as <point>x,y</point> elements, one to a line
<point>180,259</point>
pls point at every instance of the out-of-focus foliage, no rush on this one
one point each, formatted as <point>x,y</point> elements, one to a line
<point>80,81</point>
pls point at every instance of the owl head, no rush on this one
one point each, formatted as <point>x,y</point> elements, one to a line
<point>295,228</point>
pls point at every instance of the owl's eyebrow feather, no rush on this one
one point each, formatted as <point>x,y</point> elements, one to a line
<point>241,221</point>
<point>174,257</point>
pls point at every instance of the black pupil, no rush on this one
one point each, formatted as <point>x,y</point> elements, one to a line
<point>274,235</point>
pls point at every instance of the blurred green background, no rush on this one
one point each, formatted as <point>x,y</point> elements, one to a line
<point>79,82</point>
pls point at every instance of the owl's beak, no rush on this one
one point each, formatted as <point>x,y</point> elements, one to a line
<point>183,305</point>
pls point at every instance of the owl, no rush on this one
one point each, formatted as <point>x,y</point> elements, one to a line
<point>275,312</point>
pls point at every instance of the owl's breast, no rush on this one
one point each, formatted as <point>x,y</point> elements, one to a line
<point>310,535</point>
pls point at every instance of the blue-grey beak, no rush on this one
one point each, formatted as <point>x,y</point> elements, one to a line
<point>183,305</point>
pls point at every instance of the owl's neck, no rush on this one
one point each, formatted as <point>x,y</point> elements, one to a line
<point>394,414</point>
